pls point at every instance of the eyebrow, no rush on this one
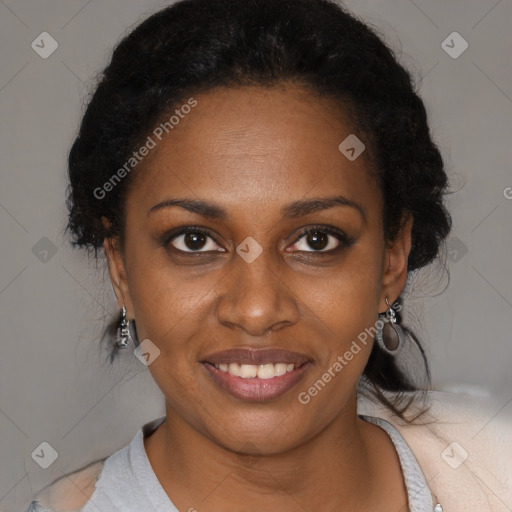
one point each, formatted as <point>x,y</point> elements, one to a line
<point>291,211</point>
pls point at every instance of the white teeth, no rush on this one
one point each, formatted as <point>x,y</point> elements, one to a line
<point>248,370</point>
<point>266,371</point>
<point>234,369</point>
<point>262,371</point>
<point>280,368</point>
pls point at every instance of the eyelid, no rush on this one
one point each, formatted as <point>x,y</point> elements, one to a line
<point>343,239</point>
<point>171,236</point>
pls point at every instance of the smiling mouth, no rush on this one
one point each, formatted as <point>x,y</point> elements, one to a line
<point>256,375</point>
<point>269,386</point>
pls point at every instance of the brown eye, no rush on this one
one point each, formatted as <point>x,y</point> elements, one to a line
<point>322,240</point>
<point>193,240</point>
<point>317,240</point>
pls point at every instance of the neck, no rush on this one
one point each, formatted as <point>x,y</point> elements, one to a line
<point>335,467</point>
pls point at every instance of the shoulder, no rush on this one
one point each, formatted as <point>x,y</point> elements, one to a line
<point>100,483</point>
<point>463,444</point>
<point>69,493</point>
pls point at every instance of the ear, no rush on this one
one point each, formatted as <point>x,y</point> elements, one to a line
<point>117,271</point>
<point>394,275</point>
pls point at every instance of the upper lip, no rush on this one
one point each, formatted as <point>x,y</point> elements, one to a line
<point>256,356</point>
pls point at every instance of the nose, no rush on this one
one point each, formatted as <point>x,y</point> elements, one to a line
<point>256,298</point>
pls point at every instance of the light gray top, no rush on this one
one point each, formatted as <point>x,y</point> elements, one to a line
<point>127,482</point>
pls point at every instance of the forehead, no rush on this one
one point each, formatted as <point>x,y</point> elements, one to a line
<point>253,145</point>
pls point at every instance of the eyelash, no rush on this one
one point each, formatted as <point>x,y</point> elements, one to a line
<point>344,240</point>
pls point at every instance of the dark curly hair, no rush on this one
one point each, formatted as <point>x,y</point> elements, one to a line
<point>195,46</point>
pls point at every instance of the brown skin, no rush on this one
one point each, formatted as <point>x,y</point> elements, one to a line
<point>253,151</point>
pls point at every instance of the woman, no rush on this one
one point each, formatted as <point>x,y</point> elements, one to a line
<point>262,180</point>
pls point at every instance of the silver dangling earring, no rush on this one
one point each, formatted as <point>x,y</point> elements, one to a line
<point>389,334</point>
<point>124,333</point>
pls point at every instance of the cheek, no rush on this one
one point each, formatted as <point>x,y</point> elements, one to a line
<point>347,301</point>
<point>343,314</point>
<point>170,309</point>
<point>165,302</point>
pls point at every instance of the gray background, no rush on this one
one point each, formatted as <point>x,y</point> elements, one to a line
<point>54,386</point>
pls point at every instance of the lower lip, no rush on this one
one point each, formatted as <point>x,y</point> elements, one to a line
<point>254,389</point>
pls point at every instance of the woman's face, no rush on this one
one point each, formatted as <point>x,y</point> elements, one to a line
<point>246,284</point>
